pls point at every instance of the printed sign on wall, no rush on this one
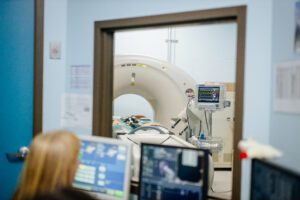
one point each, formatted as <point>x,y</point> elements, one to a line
<point>76,111</point>
<point>287,88</point>
<point>80,77</point>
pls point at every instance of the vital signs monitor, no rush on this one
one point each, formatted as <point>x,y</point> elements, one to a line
<point>210,97</point>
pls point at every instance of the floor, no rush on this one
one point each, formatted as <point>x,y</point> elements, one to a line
<point>222,185</point>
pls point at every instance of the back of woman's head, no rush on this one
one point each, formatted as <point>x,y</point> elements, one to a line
<point>64,194</point>
<point>50,164</point>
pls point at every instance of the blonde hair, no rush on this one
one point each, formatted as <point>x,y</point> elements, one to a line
<point>50,164</point>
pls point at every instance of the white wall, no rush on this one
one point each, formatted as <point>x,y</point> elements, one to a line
<point>55,29</point>
<point>80,29</point>
<point>147,42</point>
<point>257,89</point>
<point>206,52</point>
<point>284,127</point>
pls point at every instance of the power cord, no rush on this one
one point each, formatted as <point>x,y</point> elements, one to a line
<point>207,126</point>
<point>165,140</point>
<point>187,116</point>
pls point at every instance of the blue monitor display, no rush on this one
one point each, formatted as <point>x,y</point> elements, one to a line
<point>271,182</point>
<point>103,168</point>
<point>168,172</point>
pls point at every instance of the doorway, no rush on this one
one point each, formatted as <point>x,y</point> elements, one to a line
<point>103,67</point>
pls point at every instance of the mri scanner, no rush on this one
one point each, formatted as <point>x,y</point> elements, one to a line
<point>167,89</point>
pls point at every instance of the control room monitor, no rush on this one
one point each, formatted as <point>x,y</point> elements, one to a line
<point>169,172</point>
<point>271,182</point>
<point>104,167</point>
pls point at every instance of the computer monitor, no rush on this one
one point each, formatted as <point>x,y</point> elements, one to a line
<point>169,172</point>
<point>271,182</point>
<point>104,168</point>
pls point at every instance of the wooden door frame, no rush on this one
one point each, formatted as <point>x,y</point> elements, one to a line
<point>38,66</point>
<point>103,67</point>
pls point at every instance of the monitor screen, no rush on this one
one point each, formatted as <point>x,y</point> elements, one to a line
<point>208,94</point>
<point>104,167</point>
<point>271,182</point>
<point>168,172</point>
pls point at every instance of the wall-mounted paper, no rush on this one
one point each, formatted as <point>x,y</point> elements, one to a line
<point>76,111</point>
<point>287,88</point>
<point>80,77</point>
<point>55,50</point>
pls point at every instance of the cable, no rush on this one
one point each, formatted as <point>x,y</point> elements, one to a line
<point>187,117</point>
<point>175,124</point>
<point>208,129</point>
<point>183,130</point>
<point>200,126</point>
<point>132,141</point>
<point>165,140</point>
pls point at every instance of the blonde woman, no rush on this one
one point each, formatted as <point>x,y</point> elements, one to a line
<point>50,165</point>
